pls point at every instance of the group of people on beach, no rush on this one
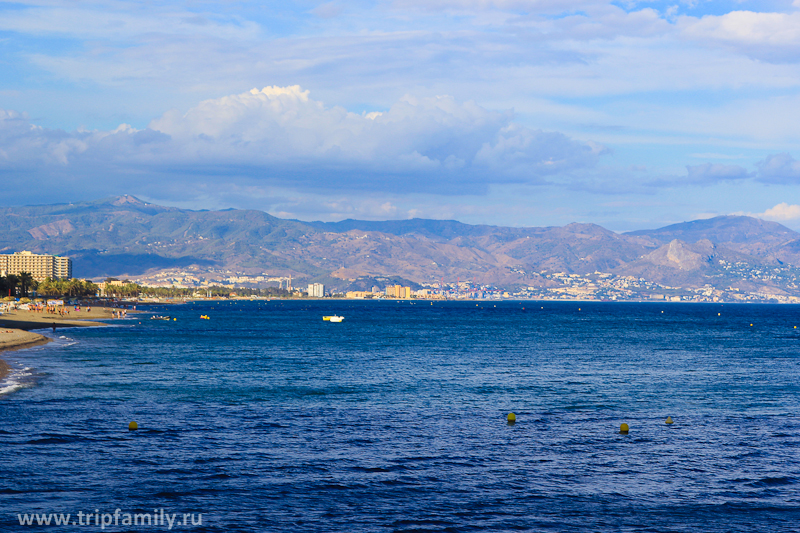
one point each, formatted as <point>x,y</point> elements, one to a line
<point>54,309</point>
<point>48,309</point>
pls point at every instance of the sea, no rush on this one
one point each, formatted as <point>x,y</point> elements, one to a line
<point>265,417</point>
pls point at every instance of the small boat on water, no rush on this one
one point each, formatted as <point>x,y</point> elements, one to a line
<point>160,317</point>
<point>205,317</point>
<point>333,318</point>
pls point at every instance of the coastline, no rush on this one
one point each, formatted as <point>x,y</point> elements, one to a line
<point>15,329</point>
<point>27,320</point>
<point>17,339</point>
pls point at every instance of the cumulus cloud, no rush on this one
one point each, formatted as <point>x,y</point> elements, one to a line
<point>431,143</point>
<point>768,36</point>
<point>779,168</point>
<point>781,212</point>
<point>281,136</point>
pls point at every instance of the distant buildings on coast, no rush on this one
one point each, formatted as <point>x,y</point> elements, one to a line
<point>40,267</point>
<point>598,286</point>
<point>316,290</point>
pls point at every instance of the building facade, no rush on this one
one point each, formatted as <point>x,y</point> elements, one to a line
<point>40,267</point>
<point>316,290</point>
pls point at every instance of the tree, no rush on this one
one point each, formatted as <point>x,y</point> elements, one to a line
<point>11,284</point>
<point>26,281</point>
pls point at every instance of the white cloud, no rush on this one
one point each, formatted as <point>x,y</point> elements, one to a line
<point>769,36</point>
<point>747,27</point>
<point>281,136</point>
<point>430,142</point>
<point>782,211</point>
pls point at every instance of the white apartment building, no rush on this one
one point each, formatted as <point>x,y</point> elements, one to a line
<point>316,290</point>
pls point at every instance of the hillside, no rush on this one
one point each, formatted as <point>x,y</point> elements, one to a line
<point>124,236</point>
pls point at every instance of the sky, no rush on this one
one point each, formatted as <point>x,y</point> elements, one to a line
<point>627,114</point>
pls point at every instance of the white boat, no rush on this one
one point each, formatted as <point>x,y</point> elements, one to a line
<point>333,318</point>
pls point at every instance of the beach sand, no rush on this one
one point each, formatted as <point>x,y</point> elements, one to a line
<point>31,320</point>
<point>14,326</point>
<point>17,339</point>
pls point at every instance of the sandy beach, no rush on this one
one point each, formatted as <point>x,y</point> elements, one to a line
<point>17,339</point>
<point>15,326</point>
<point>28,320</point>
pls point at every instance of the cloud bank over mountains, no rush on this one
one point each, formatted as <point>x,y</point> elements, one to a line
<point>281,136</point>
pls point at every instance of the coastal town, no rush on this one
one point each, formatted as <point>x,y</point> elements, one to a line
<point>598,286</point>
<point>194,282</point>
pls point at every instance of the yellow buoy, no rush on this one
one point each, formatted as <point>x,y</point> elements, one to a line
<point>624,429</point>
<point>512,418</point>
<point>133,426</point>
<point>669,420</point>
<point>751,325</point>
<point>175,319</point>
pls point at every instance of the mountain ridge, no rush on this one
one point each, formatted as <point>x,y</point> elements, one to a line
<point>124,236</point>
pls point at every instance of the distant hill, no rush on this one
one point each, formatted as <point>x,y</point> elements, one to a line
<point>769,241</point>
<point>725,229</point>
<point>432,229</point>
<point>123,236</point>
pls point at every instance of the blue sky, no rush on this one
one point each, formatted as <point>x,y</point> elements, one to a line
<point>631,115</point>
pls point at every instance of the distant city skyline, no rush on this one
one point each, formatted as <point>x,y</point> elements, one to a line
<point>630,115</point>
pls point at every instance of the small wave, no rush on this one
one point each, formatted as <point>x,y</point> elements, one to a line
<point>11,387</point>
<point>60,340</point>
<point>772,481</point>
<point>18,379</point>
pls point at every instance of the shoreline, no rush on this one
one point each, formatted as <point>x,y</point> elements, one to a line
<point>15,329</point>
<point>17,339</point>
<point>27,320</point>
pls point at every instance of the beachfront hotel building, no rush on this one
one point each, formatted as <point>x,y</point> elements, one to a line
<point>40,267</point>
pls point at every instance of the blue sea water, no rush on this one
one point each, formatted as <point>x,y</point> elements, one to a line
<point>267,418</point>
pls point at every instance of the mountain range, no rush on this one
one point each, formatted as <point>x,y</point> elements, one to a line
<point>126,237</point>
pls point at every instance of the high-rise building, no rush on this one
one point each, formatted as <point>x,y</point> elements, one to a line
<point>316,290</point>
<point>40,267</point>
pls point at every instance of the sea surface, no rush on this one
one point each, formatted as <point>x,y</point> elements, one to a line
<point>267,418</point>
